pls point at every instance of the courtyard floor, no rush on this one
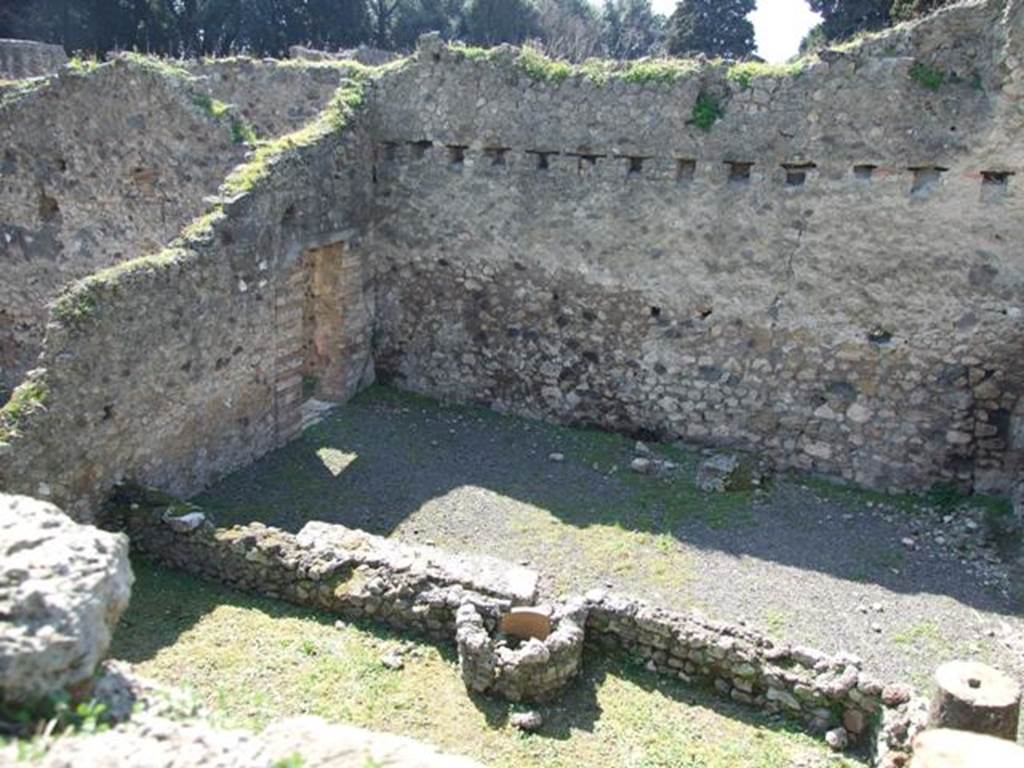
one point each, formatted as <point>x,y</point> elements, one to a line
<point>802,559</point>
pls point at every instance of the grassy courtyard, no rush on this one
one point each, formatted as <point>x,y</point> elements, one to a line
<point>252,660</point>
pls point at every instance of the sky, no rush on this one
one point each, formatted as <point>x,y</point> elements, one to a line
<point>779,24</point>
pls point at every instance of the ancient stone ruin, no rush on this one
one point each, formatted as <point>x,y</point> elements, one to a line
<point>819,266</point>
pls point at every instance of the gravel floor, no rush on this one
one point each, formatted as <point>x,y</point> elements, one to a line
<point>835,568</point>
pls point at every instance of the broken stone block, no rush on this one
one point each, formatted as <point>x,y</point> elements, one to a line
<point>726,472</point>
<point>63,587</point>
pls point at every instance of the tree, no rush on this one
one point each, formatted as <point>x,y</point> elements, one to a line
<point>490,22</point>
<point>631,29</point>
<point>332,24</point>
<point>571,29</point>
<point>718,28</point>
<point>844,18</point>
<point>419,16</point>
<point>904,10</point>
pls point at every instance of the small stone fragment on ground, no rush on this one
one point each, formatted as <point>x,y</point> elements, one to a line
<point>727,472</point>
<point>528,722</point>
<point>837,739</point>
<point>393,661</point>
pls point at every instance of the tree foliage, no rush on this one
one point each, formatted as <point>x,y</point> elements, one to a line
<point>490,22</point>
<point>844,18</point>
<point>631,29</point>
<point>718,28</point>
<point>571,29</point>
<point>904,10</point>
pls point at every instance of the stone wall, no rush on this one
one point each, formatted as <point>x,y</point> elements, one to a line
<point>461,599</point>
<point>334,568</point>
<point>274,97</point>
<point>176,368</point>
<point>823,691</point>
<point>532,670</point>
<point>27,58</point>
<point>828,275</point>
<point>97,168</point>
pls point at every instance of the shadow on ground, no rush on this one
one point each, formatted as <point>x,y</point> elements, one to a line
<point>465,477</point>
<point>254,660</point>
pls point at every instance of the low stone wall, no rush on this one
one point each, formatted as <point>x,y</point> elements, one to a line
<point>333,568</point>
<point>537,670</point>
<point>28,58</point>
<point>825,692</point>
<point>462,598</point>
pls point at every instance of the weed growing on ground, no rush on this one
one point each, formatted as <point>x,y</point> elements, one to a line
<point>37,726</point>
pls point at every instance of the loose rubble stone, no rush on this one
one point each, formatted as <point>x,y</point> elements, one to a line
<point>63,587</point>
<point>530,722</point>
<point>726,472</point>
<point>837,739</point>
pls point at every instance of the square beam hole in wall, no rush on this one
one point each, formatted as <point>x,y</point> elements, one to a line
<point>457,155</point>
<point>686,169</point>
<point>926,179</point>
<point>864,171</point>
<point>796,173</point>
<point>389,151</point>
<point>739,171</point>
<point>497,155</point>
<point>995,184</point>
<point>634,165</point>
<point>586,162</point>
<point>419,148</point>
<point>543,158</point>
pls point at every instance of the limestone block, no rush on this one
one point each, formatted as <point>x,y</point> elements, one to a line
<point>971,696</point>
<point>63,587</point>
<point>946,748</point>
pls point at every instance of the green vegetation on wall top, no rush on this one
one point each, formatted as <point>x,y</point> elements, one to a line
<point>745,73</point>
<point>29,397</point>
<point>78,303</point>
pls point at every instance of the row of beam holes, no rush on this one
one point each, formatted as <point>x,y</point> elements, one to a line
<point>994,183</point>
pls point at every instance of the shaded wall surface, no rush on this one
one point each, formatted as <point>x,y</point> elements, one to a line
<point>96,169</point>
<point>830,275</point>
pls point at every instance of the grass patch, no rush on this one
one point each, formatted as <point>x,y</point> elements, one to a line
<point>658,71</point>
<point>332,119</point>
<point>26,399</point>
<point>470,52</point>
<point>707,111</point>
<point>927,77</point>
<point>241,131</point>
<point>745,73</point>
<point>79,303</point>
<point>579,522</point>
<point>36,727</point>
<point>159,66</point>
<point>539,67</point>
<point>14,90</point>
<point>83,65</point>
<point>246,658</point>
